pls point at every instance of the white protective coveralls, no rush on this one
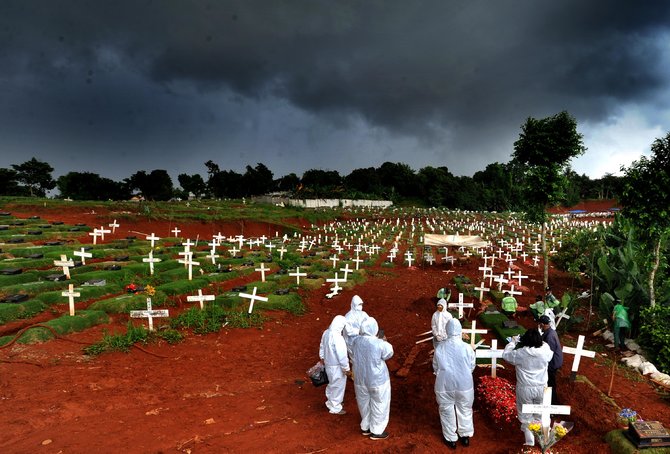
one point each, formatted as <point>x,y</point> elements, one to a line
<point>439,322</point>
<point>531,378</point>
<point>354,319</point>
<point>453,363</point>
<point>333,352</point>
<point>371,378</point>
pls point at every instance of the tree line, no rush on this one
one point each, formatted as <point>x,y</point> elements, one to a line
<point>499,187</point>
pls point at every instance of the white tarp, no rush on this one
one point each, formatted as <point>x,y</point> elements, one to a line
<point>432,239</point>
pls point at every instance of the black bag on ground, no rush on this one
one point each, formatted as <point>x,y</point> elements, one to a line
<point>317,374</point>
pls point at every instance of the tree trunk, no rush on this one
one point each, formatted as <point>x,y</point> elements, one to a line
<point>654,268</point>
<point>545,254</point>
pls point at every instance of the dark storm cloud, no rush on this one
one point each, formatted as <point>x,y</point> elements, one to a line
<point>124,70</point>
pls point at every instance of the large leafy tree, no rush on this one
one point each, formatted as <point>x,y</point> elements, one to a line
<point>258,180</point>
<point>544,149</point>
<point>156,185</point>
<point>36,176</point>
<point>646,201</point>
<point>193,184</point>
<point>9,184</point>
<point>91,186</point>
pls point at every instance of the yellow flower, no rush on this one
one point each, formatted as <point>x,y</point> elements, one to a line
<point>535,427</point>
<point>150,290</point>
<point>560,431</point>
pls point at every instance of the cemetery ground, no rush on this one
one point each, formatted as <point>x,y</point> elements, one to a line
<point>245,390</point>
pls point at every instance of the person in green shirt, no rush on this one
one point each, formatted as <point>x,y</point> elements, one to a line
<point>537,308</point>
<point>550,300</point>
<point>621,324</point>
<point>509,305</point>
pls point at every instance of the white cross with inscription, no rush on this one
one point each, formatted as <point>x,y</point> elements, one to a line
<point>500,280</point>
<point>281,252</point>
<point>114,226</point>
<point>66,264</point>
<point>262,270</point>
<point>150,314</point>
<point>297,275</point>
<point>176,231</point>
<point>460,305</point>
<point>200,298</point>
<point>578,351</point>
<point>253,297</point>
<point>545,410</point>
<point>153,238</point>
<point>71,295</point>
<point>83,254</point>
<point>336,280</point>
<point>493,353</point>
<point>151,260</point>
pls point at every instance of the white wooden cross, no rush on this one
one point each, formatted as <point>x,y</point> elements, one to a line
<point>409,259</point>
<point>346,271</point>
<point>493,353</point>
<point>430,259</point>
<point>95,234</point>
<point>233,251</point>
<point>336,280</point>
<point>271,247</point>
<point>71,295</point>
<point>297,275</point>
<point>519,277</point>
<point>358,261</point>
<point>545,409</point>
<point>212,254</point>
<point>102,231</point>
<point>253,297</point>
<point>153,238</point>
<point>200,298</point>
<point>176,231</point>
<point>150,314</point>
<point>460,305</point>
<point>281,252</point>
<point>500,280</point>
<point>536,260</point>
<point>83,254</point>
<point>472,331</point>
<point>262,270</point>
<point>66,264</point>
<point>578,351</point>
<point>562,315</point>
<point>509,273</point>
<point>188,262</point>
<point>482,289</point>
<point>151,260</point>
<point>114,226</point>
<point>513,292</point>
<point>335,259</point>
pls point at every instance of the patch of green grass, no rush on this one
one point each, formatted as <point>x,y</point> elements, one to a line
<point>208,320</point>
<point>245,320</point>
<point>27,309</point>
<point>290,303</point>
<point>63,325</point>
<point>119,342</point>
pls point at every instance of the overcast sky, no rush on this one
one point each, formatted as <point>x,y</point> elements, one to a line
<point>113,87</point>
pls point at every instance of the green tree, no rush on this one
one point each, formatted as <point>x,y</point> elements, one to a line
<point>36,175</point>
<point>155,186</point>
<point>646,201</point>
<point>545,148</point>
<point>90,186</point>
<point>258,180</point>
<point>437,185</point>
<point>9,183</point>
<point>193,184</point>
<point>399,180</point>
<point>321,183</point>
<point>364,180</point>
<point>288,182</point>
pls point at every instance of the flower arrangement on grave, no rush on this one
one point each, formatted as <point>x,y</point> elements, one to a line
<point>150,290</point>
<point>548,438</point>
<point>498,397</point>
<point>627,416</point>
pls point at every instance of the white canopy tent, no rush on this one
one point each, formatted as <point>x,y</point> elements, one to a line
<point>472,241</point>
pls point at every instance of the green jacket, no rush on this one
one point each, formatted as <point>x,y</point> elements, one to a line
<point>620,315</point>
<point>509,304</point>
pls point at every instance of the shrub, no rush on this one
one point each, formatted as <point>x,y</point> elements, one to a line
<point>655,335</point>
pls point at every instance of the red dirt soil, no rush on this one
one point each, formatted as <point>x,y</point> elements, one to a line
<point>246,390</point>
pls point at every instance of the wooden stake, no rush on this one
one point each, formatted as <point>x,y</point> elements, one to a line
<point>609,391</point>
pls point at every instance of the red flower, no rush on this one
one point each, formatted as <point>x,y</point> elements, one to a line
<point>498,398</point>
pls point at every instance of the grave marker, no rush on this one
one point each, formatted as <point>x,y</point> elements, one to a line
<point>200,298</point>
<point>83,254</point>
<point>262,270</point>
<point>493,353</point>
<point>545,409</point>
<point>150,314</point>
<point>297,275</point>
<point>578,351</point>
<point>66,264</point>
<point>151,260</point>
<point>253,297</point>
<point>71,295</point>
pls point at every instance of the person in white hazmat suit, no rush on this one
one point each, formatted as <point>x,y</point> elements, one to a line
<point>333,353</point>
<point>439,322</point>
<point>453,363</point>
<point>531,357</point>
<point>354,317</point>
<point>371,380</point>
